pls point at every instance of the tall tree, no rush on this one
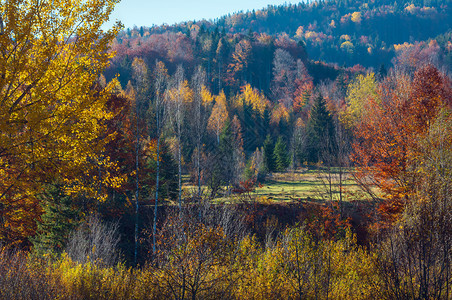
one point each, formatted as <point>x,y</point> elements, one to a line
<point>59,219</point>
<point>363,87</point>
<point>269,161</point>
<point>225,155</point>
<point>238,69</point>
<point>140,77</point>
<point>238,154</point>
<point>201,103</point>
<point>51,117</point>
<point>284,74</point>
<point>320,130</point>
<point>160,82</point>
<point>281,155</point>
<point>179,95</point>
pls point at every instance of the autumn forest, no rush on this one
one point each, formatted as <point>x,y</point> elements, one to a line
<point>301,151</point>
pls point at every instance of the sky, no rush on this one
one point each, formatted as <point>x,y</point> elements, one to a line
<point>157,12</point>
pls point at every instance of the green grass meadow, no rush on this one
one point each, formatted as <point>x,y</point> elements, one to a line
<point>300,185</point>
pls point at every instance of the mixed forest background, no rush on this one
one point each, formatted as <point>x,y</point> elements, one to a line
<point>131,160</point>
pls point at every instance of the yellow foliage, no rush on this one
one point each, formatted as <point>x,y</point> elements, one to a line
<point>254,98</point>
<point>219,114</point>
<point>348,46</point>
<point>401,47</point>
<point>91,281</point>
<point>51,117</point>
<point>207,264</point>
<point>411,8</point>
<point>356,17</point>
<point>181,94</point>
<point>206,96</point>
<point>297,266</point>
<point>311,35</point>
<point>345,37</point>
<point>280,113</point>
<point>299,32</point>
<point>362,88</point>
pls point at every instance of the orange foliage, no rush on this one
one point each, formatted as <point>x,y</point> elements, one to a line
<point>280,113</point>
<point>387,149</point>
<point>324,221</point>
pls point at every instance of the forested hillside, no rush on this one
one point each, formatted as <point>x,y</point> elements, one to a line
<point>347,33</point>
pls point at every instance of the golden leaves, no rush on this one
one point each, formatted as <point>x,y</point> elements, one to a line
<point>182,93</point>
<point>254,98</point>
<point>219,114</point>
<point>52,119</point>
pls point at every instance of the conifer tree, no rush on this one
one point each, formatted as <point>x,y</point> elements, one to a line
<point>59,219</point>
<point>269,161</point>
<point>169,178</point>
<point>226,153</point>
<point>320,131</point>
<point>281,155</point>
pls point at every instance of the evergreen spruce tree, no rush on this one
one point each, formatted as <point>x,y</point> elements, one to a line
<point>265,125</point>
<point>269,161</point>
<point>320,131</point>
<point>57,222</point>
<point>168,172</point>
<point>382,72</point>
<point>226,151</point>
<point>281,155</point>
<point>249,136</point>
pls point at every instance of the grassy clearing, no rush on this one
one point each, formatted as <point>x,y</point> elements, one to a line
<point>299,185</point>
<point>307,184</point>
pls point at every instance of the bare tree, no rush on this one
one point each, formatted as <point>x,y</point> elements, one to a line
<point>95,242</point>
<point>284,73</point>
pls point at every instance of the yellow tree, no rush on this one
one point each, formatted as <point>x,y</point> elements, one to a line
<point>361,89</point>
<point>51,112</point>
<point>252,97</point>
<point>219,115</point>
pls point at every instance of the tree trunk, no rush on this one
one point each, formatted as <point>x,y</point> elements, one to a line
<point>137,147</point>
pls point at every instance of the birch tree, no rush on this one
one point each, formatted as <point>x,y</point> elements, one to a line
<point>201,103</point>
<point>179,95</point>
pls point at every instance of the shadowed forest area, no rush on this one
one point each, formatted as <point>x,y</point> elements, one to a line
<point>301,151</point>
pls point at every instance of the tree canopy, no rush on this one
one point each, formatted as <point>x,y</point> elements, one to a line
<point>52,109</point>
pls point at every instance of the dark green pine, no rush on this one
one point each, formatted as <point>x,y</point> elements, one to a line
<point>57,222</point>
<point>320,131</point>
<point>281,155</point>
<point>269,159</point>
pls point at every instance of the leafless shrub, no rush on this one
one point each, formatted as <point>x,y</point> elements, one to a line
<point>95,242</point>
<point>226,216</point>
<point>22,278</point>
